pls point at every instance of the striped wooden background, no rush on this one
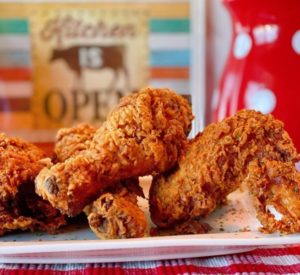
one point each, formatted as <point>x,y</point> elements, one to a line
<point>169,29</point>
<point>169,53</point>
<point>15,74</point>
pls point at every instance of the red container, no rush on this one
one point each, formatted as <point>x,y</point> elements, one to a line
<point>263,68</point>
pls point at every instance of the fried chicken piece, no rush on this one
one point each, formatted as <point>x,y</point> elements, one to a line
<point>28,211</point>
<point>123,218</point>
<point>215,164</point>
<point>71,141</point>
<point>20,207</point>
<point>10,222</point>
<point>143,135</point>
<point>275,184</point>
<point>116,215</point>
<point>19,163</point>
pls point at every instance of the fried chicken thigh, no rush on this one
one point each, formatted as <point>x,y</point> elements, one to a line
<point>275,184</point>
<point>20,207</point>
<point>215,164</point>
<point>144,134</point>
<point>115,214</point>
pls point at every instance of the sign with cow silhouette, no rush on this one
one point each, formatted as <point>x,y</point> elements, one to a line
<point>84,62</point>
<point>95,57</point>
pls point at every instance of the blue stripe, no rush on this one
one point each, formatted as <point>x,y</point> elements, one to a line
<point>16,26</point>
<point>170,58</point>
<point>15,58</point>
<point>169,25</point>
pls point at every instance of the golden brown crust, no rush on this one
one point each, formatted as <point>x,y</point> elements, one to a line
<point>142,135</point>
<point>19,163</point>
<point>116,216</point>
<point>20,207</point>
<point>214,165</point>
<point>10,222</point>
<point>123,219</point>
<point>276,184</point>
<point>28,211</point>
<point>71,141</point>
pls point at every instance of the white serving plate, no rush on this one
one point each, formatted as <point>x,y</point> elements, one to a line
<point>235,229</point>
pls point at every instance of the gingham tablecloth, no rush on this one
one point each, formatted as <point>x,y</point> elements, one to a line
<point>284,260</point>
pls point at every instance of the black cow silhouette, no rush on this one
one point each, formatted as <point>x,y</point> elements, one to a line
<point>92,57</point>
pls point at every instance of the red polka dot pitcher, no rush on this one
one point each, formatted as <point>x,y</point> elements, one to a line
<point>263,68</point>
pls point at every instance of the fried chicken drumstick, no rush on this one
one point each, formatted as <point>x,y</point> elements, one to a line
<point>275,184</point>
<point>142,135</point>
<point>115,214</point>
<point>20,207</point>
<point>215,164</point>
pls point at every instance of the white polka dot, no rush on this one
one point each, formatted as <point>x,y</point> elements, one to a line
<point>263,100</point>
<point>242,45</point>
<point>296,42</point>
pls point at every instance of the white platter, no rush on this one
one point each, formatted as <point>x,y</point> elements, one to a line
<point>235,229</point>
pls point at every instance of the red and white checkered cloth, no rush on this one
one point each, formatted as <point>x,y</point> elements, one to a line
<point>284,260</point>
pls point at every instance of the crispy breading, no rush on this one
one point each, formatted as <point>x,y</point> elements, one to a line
<point>214,165</point>
<point>70,141</point>
<point>275,184</point>
<point>10,222</point>
<point>19,163</point>
<point>20,207</point>
<point>116,215</point>
<point>121,216</point>
<point>28,211</point>
<point>143,135</point>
